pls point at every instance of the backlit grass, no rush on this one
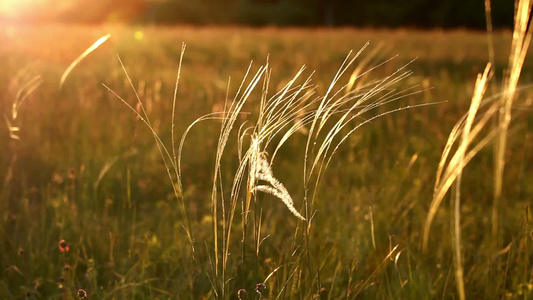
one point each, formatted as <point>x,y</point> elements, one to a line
<point>86,170</point>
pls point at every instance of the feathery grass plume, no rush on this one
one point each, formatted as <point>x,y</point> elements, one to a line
<point>522,34</point>
<point>93,47</point>
<point>264,172</point>
<point>280,116</point>
<point>348,107</point>
<point>275,117</point>
<point>294,107</point>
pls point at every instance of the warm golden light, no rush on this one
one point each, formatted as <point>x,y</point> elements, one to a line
<point>28,9</point>
<point>15,8</point>
<point>72,10</point>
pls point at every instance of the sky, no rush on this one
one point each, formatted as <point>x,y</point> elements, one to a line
<point>25,10</point>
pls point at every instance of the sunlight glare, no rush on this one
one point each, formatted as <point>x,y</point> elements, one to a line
<point>21,8</point>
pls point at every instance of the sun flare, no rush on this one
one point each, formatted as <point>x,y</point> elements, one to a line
<point>13,7</point>
<point>24,8</point>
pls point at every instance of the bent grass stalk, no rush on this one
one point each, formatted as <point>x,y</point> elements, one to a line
<point>468,129</point>
<point>93,47</point>
<point>479,91</point>
<point>449,172</point>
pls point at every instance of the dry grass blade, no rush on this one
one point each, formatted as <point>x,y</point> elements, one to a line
<point>23,93</point>
<point>13,130</point>
<point>25,88</point>
<point>174,104</point>
<point>522,34</point>
<point>93,47</point>
<point>474,107</point>
<point>449,170</point>
<point>108,164</point>
<point>358,71</point>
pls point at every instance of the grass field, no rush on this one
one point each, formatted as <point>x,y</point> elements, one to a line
<point>83,168</point>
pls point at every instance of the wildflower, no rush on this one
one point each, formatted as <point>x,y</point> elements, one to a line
<point>63,246</point>
<point>66,268</point>
<point>82,294</point>
<point>57,178</point>
<point>242,294</point>
<point>260,288</point>
<point>72,174</point>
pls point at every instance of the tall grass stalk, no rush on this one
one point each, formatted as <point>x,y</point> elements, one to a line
<point>327,121</point>
<point>280,116</point>
<point>479,91</point>
<point>466,134</point>
<point>319,237</point>
<point>170,162</point>
<point>522,33</point>
<point>490,31</point>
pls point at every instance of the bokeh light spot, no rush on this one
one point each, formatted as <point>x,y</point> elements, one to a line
<point>139,35</point>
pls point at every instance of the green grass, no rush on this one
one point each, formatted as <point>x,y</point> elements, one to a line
<point>87,170</point>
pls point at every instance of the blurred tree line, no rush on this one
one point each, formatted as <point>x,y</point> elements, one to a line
<point>375,13</point>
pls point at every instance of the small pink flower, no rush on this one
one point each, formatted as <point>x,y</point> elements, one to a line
<point>242,294</point>
<point>82,294</point>
<point>63,246</point>
<point>260,288</point>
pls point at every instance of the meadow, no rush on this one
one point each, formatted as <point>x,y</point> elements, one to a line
<point>86,201</point>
